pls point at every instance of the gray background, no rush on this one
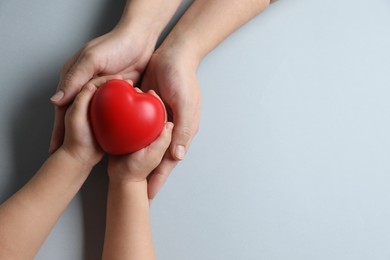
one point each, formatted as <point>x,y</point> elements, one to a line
<point>292,158</point>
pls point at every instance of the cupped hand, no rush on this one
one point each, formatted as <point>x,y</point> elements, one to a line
<point>79,141</point>
<point>123,51</point>
<point>172,76</point>
<point>137,166</point>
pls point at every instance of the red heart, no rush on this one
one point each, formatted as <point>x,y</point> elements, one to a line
<point>123,120</point>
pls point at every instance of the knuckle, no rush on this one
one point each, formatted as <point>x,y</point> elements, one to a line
<point>77,103</point>
<point>65,68</point>
<point>186,132</point>
<point>92,59</point>
<point>68,78</point>
<point>89,86</point>
<point>70,114</point>
<point>86,47</point>
<point>156,162</point>
<point>90,56</point>
<point>155,156</point>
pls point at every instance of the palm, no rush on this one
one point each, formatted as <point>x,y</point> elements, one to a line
<point>177,85</point>
<point>115,54</point>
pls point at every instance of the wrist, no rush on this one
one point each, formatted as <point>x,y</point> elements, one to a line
<point>127,183</point>
<point>176,55</point>
<point>72,159</point>
<point>134,32</point>
<point>143,17</point>
<point>119,177</point>
<point>181,50</point>
<point>120,174</point>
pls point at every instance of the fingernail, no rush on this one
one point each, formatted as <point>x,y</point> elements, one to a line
<point>168,126</point>
<point>180,152</point>
<point>57,96</point>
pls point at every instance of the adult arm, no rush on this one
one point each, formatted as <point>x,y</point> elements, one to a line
<point>172,69</point>
<point>207,23</point>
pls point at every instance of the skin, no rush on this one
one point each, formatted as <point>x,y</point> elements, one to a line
<point>128,234</point>
<point>170,70</point>
<point>119,52</point>
<point>27,217</point>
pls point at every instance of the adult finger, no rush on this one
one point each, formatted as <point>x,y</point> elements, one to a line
<point>186,117</point>
<point>69,64</point>
<point>70,84</point>
<point>59,126</point>
<point>57,136</point>
<point>78,75</point>
<point>159,176</point>
<point>160,145</point>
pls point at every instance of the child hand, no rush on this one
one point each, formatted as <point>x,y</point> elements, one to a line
<point>78,140</point>
<point>137,166</point>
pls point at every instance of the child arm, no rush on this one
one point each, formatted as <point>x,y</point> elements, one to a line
<point>128,233</point>
<point>27,218</point>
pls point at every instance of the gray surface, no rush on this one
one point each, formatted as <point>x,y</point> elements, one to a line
<point>292,159</point>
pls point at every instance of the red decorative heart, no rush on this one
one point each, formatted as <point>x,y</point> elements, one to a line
<point>124,120</point>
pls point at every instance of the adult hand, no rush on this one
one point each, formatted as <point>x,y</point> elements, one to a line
<point>123,51</point>
<point>128,47</point>
<point>173,76</point>
<point>172,69</point>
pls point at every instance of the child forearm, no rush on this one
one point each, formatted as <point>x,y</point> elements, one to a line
<point>128,234</point>
<point>28,216</point>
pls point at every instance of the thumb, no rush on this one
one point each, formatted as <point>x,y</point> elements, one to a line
<point>73,80</point>
<point>186,124</point>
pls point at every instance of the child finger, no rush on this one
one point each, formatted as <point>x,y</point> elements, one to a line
<point>97,82</point>
<point>152,92</point>
<point>138,90</point>
<point>81,102</point>
<point>161,144</point>
<point>130,82</point>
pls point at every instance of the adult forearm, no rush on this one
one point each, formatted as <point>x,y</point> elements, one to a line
<point>28,216</point>
<point>128,234</point>
<point>207,23</point>
<point>148,16</point>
